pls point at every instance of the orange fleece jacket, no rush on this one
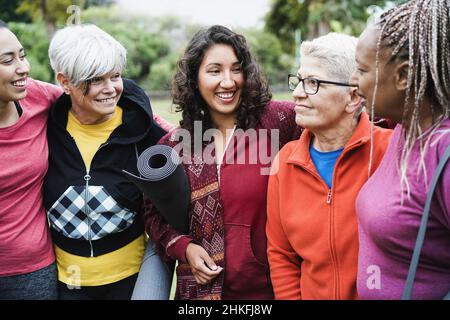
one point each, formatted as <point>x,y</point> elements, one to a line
<point>311,230</point>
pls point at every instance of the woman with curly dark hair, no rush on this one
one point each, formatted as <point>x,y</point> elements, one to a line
<point>228,117</point>
<point>253,99</point>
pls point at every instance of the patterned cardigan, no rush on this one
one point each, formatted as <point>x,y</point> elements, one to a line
<point>205,196</point>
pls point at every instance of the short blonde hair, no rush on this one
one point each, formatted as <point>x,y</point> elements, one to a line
<point>336,51</point>
<point>83,52</point>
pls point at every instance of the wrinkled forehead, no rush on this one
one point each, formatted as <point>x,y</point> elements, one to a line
<point>312,67</point>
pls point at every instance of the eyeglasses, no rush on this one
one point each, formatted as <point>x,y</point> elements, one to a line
<point>311,85</point>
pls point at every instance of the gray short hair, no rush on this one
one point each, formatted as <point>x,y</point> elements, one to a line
<point>336,51</point>
<point>83,52</point>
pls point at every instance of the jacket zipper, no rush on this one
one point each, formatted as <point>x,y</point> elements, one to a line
<point>333,248</point>
<point>87,177</point>
<point>332,236</point>
<point>331,233</point>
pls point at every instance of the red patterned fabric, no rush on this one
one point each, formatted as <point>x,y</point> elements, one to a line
<point>207,211</point>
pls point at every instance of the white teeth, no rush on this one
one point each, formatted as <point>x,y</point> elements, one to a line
<point>225,95</point>
<point>106,100</point>
<point>19,83</point>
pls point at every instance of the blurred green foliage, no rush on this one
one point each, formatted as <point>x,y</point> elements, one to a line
<point>34,39</point>
<point>317,17</point>
<point>8,11</point>
<point>154,44</point>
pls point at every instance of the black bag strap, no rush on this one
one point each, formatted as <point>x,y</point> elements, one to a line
<point>423,228</point>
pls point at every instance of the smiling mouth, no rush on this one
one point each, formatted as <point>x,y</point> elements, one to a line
<point>227,96</point>
<point>19,83</point>
<point>107,100</point>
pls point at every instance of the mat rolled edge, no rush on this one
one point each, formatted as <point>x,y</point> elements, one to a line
<point>169,192</point>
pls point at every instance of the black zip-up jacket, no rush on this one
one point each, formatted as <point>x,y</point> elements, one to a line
<point>97,212</point>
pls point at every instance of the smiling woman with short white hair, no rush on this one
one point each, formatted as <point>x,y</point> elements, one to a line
<point>96,128</point>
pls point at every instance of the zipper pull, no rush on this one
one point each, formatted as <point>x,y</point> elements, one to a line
<point>87,176</point>
<point>329,197</point>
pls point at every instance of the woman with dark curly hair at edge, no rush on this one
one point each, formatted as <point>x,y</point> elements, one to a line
<point>27,261</point>
<point>219,85</point>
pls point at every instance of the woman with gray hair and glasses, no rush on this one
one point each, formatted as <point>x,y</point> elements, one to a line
<point>96,129</point>
<point>311,224</point>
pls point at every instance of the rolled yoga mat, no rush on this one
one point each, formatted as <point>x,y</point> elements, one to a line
<point>164,181</point>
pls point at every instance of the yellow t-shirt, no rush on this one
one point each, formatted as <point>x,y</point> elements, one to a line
<point>89,137</point>
<point>105,269</point>
<point>114,266</point>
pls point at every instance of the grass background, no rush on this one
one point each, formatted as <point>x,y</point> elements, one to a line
<point>164,108</point>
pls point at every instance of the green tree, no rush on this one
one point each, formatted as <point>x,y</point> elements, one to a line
<point>55,13</point>
<point>52,13</point>
<point>275,62</point>
<point>99,3</point>
<point>144,47</point>
<point>8,11</point>
<point>162,72</point>
<point>317,17</point>
<point>286,16</point>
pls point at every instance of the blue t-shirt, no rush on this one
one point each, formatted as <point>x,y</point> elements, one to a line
<point>325,162</point>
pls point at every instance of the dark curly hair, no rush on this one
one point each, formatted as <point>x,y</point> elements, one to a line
<point>255,93</point>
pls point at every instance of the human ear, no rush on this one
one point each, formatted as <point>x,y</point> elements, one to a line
<point>64,82</point>
<point>401,76</point>
<point>354,101</point>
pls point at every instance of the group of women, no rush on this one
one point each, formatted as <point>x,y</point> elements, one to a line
<point>335,215</point>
